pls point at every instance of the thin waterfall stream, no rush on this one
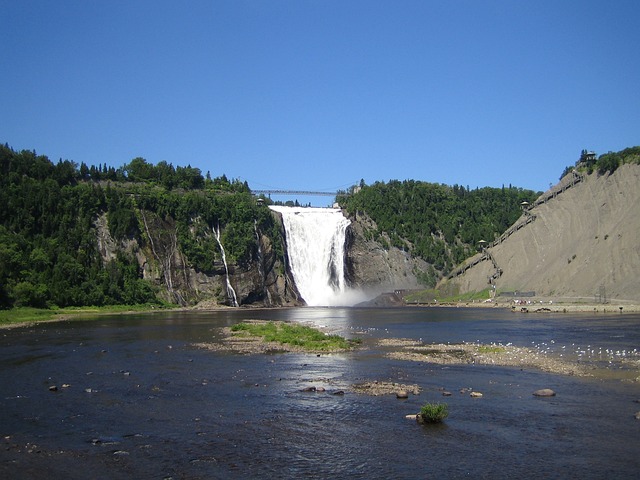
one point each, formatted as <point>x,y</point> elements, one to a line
<point>231,293</point>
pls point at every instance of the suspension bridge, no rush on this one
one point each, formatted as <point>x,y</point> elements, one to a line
<point>297,192</point>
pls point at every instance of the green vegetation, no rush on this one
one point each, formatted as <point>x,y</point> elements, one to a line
<point>49,255</point>
<point>308,338</point>
<point>27,314</point>
<point>30,314</point>
<point>491,349</point>
<point>469,296</point>
<point>609,162</point>
<point>434,412</point>
<point>437,223</point>
<point>605,163</point>
<point>52,212</point>
<point>435,296</point>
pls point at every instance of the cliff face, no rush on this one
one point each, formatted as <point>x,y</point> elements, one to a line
<point>374,269</point>
<point>263,282</point>
<point>583,244</point>
<point>266,281</point>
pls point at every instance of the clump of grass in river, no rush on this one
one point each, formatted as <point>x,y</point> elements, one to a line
<point>434,412</point>
<point>305,337</point>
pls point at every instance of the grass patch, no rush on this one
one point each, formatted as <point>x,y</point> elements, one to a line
<point>29,314</point>
<point>468,297</point>
<point>434,296</point>
<point>491,349</point>
<point>434,412</point>
<point>456,353</point>
<point>423,296</point>
<point>26,314</point>
<point>307,338</point>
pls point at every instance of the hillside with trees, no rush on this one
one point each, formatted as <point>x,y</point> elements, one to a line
<point>578,245</point>
<point>75,235</point>
<point>440,224</point>
<point>49,255</point>
<point>606,163</point>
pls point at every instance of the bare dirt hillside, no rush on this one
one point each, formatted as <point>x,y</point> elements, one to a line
<point>584,242</point>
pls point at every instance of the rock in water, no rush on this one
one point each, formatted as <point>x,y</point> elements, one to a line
<point>544,392</point>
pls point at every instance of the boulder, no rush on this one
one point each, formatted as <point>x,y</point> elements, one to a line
<point>402,394</point>
<point>544,392</point>
<point>475,395</point>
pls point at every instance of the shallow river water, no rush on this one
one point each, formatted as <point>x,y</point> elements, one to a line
<point>136,399</point>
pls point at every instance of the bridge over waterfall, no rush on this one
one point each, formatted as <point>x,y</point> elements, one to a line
<point>297,192</point>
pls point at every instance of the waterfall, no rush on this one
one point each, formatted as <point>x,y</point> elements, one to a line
<point>231,293</point>
<point>315,247</point>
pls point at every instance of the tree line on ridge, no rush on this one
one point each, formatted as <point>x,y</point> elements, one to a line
<point>48,249</point>
<point>49,254</point>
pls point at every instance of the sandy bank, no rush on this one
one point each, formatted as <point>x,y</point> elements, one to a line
<point>405,349</point>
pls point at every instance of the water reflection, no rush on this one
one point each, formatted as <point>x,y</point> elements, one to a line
<point>142,402</point>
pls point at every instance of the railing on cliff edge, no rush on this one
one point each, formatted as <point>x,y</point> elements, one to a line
<point>529,218</point>
<point>297,192</point>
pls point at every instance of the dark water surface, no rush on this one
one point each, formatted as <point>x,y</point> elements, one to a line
<point>143,402</point>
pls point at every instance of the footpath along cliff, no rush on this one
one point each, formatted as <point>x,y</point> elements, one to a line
<point>579,242</point>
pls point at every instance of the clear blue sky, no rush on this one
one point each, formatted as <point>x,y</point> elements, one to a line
<point>316,95</point>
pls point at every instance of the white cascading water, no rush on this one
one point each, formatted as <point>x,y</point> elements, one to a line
<point>231,293</point>
<point>315,246</point>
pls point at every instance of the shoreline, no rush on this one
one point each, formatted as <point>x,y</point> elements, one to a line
<point>443,354</point>
<point>541,307</point>
<point>533,307</point>
<point>396,348</point>
<point>53,317</point>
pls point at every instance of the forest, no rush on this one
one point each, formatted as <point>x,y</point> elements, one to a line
<point>438,223</point>
<point>48,248</point>
<point>48,245</point>
<point>443,224</point>
<point>606,163</point>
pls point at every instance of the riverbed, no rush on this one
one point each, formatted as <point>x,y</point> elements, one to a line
<point>135,396</point>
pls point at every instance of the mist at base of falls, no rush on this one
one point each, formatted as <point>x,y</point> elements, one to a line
<point>316,250</point>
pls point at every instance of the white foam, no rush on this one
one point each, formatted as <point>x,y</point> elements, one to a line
<point>316,250</point>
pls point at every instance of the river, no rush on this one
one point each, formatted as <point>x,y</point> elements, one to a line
<point>134,398</point>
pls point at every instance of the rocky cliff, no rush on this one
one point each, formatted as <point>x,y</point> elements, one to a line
<point>263,282</point>
<point>576,244</point>
<point>373,268</point>
<point>266,280</point>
